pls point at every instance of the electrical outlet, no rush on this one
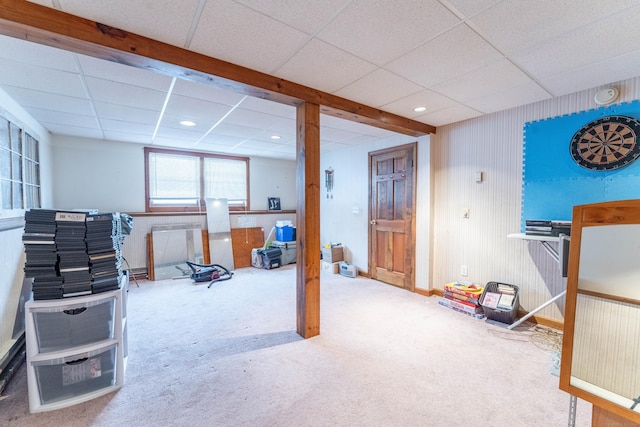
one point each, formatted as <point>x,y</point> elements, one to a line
<point>463,270</point>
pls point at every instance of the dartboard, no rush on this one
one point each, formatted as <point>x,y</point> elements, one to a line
<point>607,143</point>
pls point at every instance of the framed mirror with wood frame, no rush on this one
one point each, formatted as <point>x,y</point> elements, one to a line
<point>601,341</point>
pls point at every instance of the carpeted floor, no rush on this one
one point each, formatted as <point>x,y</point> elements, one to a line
<point>230,356</point>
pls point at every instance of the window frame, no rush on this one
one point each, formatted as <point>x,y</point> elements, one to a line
<point>200,206</point>
<point>27,151</point>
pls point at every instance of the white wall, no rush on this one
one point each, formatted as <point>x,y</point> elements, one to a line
<point>93,174</point>
<point>12,249</point>
<point>344,218</point>
<point>272,178</point>
<point>109,176</point>
<point>493,144</point>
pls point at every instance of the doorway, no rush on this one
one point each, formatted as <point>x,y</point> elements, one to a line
<point>392,177</point>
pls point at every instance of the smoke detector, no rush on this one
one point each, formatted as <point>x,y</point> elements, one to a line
<point>606,96</point>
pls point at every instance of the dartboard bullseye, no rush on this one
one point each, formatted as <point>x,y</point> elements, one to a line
<point>607,143</point>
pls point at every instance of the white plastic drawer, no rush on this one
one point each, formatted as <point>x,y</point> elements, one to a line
<point>73,325</point>
<point>71,377</point>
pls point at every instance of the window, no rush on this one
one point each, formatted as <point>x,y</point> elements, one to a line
<point>19,167</point>
<point>182,180</point>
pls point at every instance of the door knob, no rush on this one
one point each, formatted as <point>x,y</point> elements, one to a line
<point>372,222</point>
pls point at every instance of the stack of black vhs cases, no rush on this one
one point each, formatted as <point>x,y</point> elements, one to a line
<point>104,241</point>
<point>72,253</point>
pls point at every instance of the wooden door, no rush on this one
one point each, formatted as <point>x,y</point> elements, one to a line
<point>391,215</point>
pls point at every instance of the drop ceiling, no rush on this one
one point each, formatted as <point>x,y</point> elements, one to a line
<point>457,58</point>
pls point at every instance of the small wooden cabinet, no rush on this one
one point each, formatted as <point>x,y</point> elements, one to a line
<point>76,348</point>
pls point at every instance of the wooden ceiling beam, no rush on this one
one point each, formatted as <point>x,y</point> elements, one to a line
<point>35,23</point>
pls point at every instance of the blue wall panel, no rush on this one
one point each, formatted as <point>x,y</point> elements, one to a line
<point>553,183</point>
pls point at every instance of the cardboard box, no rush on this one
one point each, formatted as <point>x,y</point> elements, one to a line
<point>332,254</point>
<point>331,267</point>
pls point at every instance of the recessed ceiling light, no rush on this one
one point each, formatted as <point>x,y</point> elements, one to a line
<point>419,109</point>
<point>275,136</point>
<point>187,123</point>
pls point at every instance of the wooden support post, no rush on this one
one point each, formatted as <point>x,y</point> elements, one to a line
<point>308,220</point>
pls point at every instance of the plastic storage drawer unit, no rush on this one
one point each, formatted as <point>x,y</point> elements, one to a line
<point>76,348</point>
<point>73,325</point>
<point>75,376</point>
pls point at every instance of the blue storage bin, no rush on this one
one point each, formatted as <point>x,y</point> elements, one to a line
<point>285,233</point>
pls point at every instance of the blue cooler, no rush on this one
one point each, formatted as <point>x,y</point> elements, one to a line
<point>286,233</point>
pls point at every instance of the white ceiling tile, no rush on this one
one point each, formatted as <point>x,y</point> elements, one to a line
<point>132,96</point>
<point>352,128</point>
<point>252,144</point>
<point>449,115</point>
<point>324,67</point>
<point>240,35</point>
<point>237,131</point>
<point>513,25</point>
<point>469,8</point>
<point>494,77</point>
<point>126,127</point>
<point>335,135</point>
<point>274,108</point>
<point>172,143</point>
<point>116,72</point>
<point>207,92</point>
<point>36,54</point>
<point>378,88</point>
<point>265,136</point>
<point>284,153</point>
<point>609,37</point>
<point>593,75</point>
<point>248,151</point>
<point>34,98</point>
<point>391,28</point>
<point>179,134</point>
<point>128,137</point>
<point>47,3</point>
<point>256,119</point>
<point>512,97</point>
<point>126,114</point>
<point>453,53</point>
<point>215,138</point>
<point>432,101</point>
<point>211,147</point>
<point>41,79</point>
<point>63,118</point>
<point>283,127</point>
<point>202,124</point>
<point>164,20</point>
<point>202,112</point>
<point>79,131</point>
<point>307,16</point>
